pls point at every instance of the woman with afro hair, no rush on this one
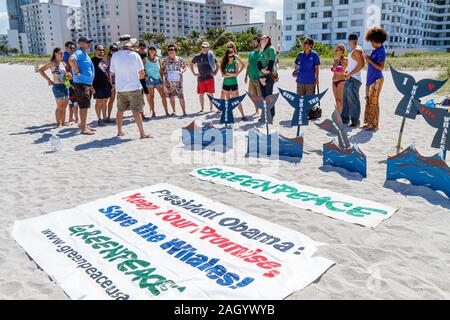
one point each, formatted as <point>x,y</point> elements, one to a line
<point>377,37</point>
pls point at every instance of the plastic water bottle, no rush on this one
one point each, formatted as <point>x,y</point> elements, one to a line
<point>55,142</point>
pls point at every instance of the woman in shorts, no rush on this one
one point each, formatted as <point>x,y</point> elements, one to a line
<point>153,75</point>
<point>60,84</point>
<point>231,66</point>
<point>173,69</point>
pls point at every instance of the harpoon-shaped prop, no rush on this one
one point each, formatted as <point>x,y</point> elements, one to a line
<point>273,145</point>
<point>227,107</point>
<point>342,154</point>
<point>302,105</point>
<point>207,137</point>
<point>431,172</point>
<point>412,91</point>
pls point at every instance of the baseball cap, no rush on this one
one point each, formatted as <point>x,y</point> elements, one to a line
<point>151,47</point>
<point>205,45</point>
<point>84,39</point>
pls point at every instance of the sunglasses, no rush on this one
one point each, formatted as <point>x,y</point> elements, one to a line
<point>172,50</point>
<point>101,50</point>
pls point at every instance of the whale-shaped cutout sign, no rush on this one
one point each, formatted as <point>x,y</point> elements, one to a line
<point>412,91</point>
<point>265,104</point>
<point>227,107</point>
<point>302,105</point>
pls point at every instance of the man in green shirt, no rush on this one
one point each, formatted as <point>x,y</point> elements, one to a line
<point>254,86</point>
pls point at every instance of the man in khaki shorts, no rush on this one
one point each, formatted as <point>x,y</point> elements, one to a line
<point>252,74</point>
<point>128,69</point>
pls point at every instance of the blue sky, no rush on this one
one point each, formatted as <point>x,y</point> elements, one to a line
<point>257,14</point>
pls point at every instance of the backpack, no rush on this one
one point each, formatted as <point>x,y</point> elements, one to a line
<point>316,112</point>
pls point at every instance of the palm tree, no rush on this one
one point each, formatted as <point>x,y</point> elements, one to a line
<point>159,39</point>
<point>148,37</point>
<point>254,31</point>
<point>212,34</point>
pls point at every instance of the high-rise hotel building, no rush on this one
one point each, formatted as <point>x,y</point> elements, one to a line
<point>105,20</point>
<point>419,25</point>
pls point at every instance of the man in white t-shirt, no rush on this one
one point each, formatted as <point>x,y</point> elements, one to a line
<point>128,69</point>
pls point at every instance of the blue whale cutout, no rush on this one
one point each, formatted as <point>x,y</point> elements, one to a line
<point>412,91</point>
<point>227,107</point>
<point>265,104</point>
<point>262,145</point>
<point>342,154</point>
<point>431,172</point>
<point>302,105</point>
<point>353,159</point>
<point>438,118</point>
<point>207,137</point>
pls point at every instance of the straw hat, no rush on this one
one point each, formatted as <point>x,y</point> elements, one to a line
<point>125,41</point>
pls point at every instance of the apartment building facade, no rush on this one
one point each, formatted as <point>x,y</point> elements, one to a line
<point>271,26</point>
<point>412,25</point>
<point>105,20</point>
<point>17,38</point>
<point>49,25</point>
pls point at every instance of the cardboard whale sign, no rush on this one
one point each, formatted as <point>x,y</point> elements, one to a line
<point>227,107</point>
<point>412,91</point>
<point>302,105</point>
<point>164,242</point>
<point>431,172</point>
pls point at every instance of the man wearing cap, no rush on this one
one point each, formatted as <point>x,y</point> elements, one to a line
<point>208,67</point>
<point>83,76</point>
<point>351,104</point>
<point>128,70</point>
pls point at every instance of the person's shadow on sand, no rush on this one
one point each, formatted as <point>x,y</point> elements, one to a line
<point>35,130</point>
<point>99,144</point>
<point>406,189</point>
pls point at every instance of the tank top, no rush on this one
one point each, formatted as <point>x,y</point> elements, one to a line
<point>230,68</point>
<point>152,69</point>
<point>352,64</point>
<point>58,74</point>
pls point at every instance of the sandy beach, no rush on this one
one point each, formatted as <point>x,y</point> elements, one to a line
<point>405,257</point>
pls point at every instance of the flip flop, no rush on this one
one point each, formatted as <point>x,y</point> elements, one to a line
<point>88,133</point>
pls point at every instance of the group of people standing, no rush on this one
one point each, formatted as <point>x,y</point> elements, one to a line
<point>128,74</point>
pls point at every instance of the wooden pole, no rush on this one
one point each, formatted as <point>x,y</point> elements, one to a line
<point>400,136</point>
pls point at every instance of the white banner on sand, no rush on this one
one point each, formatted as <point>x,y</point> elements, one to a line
<point>331,204</point>
<point>163,242</point>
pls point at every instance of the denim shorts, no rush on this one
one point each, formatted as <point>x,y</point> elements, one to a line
<point>153,83</point>
<point>60,92</point>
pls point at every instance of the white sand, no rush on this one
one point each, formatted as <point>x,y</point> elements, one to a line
<point>406,257</point>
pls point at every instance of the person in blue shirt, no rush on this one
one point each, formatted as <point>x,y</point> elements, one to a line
<point>376,60</point>
<point>307,69</point>
<point>83,77</point>
<point>69,48</point>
